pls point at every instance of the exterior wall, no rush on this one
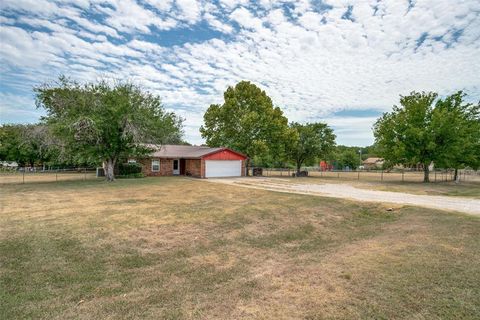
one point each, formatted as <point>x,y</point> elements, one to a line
<point>224,155</point>
<point>193,167</point>
<point>166,167</point>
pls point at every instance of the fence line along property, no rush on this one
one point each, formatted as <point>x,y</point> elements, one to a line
<point>444,175</point>
<point>40,174</point>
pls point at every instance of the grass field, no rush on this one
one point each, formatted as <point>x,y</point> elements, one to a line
<point>174,248</point>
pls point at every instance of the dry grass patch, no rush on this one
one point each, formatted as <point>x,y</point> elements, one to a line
<point>173,248</point>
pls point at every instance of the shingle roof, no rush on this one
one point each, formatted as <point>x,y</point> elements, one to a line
<point>181,151</point>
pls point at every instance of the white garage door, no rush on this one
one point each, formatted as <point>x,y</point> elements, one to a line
<point>223,168</point>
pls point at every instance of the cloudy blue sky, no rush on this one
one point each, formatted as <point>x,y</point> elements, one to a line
<point>343,62</point>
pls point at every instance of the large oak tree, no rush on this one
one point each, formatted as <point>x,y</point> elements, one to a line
<point>248,122</point>
<point>458,124</point>
<point>424,129</point>
<point>103,122</point>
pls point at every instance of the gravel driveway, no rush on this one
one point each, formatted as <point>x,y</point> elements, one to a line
<point>346,191</point>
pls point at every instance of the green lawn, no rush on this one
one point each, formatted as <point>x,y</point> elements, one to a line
<point>174,248</point>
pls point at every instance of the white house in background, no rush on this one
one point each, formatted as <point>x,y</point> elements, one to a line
<point>9,164</point>
<point>373,163</point>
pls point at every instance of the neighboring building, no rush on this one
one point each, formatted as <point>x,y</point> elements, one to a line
<point>373,163</point>
<point>325,166</point>
<point>9,164</point>
<point>195,161</point>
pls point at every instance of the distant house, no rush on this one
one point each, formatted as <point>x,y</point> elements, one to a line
<point>8,164</point>
<point>373,163</point>
<point>195,161</point>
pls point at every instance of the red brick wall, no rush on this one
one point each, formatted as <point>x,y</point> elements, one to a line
<point>166,167</point>
<point>194,167</point>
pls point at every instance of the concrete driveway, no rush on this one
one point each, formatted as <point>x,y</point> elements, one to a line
<point>346,191</point>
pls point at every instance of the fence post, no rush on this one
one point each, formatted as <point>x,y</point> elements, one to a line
<point>56,175</point>
<point>435,175</point>
<point>403,175</point>
<point>338,174</point>
<point>359,175</point>
<point>23,175</point>
<point>85,174</point>
<point>381,179</point>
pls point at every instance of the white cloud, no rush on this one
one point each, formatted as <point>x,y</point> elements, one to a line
<point>311,62</point>
<point>245,19</point>
<point>190,10</point>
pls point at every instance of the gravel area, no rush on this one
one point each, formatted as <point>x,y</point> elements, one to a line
<point>346,191</point>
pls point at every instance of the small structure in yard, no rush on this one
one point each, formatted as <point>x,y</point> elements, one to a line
<point>300,174</point>
<point>325,166</point>
<point>373,163</point>
<point>257,172</point>
<point>195,161</point>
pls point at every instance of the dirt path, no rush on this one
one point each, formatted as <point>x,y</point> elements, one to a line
<point>345,191</point>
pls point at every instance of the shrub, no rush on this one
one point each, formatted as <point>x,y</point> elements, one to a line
<point>126,169</point>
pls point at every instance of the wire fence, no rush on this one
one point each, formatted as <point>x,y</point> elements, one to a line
<point>40,174</point>
<point>397,175</point>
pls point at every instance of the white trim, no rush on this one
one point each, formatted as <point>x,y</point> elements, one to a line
<point>156,160</point>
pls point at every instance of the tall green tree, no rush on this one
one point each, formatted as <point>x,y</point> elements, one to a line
<point>26,144</point>
<point>457,123</point>
<point>406,135</point>
<point>313,141</point>
<point>348,157</point>
<point>103,123</point>
<point>425,130</point>
<point>248,122</point>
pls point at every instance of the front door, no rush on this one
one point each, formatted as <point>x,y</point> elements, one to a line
<point>176,166</point>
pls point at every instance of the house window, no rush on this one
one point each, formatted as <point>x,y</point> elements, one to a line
<point>155,165</point>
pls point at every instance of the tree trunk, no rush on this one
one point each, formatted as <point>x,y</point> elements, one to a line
<point>247,169</point>
<point>455,176</point>
<point>426,173</point>
<point>108,167</point>
<point>299,166</point>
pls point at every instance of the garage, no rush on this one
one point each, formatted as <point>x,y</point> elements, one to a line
<point>193,161</point>
<point>223,168</point>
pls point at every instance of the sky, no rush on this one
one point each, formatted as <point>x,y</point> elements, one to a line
<point>340,62</point>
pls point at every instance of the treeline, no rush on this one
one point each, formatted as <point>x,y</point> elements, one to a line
<point>99,123</point>
<point>92,123</point>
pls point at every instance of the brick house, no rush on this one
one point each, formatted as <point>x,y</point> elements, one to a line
<point>195,161</point>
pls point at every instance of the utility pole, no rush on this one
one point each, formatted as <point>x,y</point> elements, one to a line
<point>360,152</point>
